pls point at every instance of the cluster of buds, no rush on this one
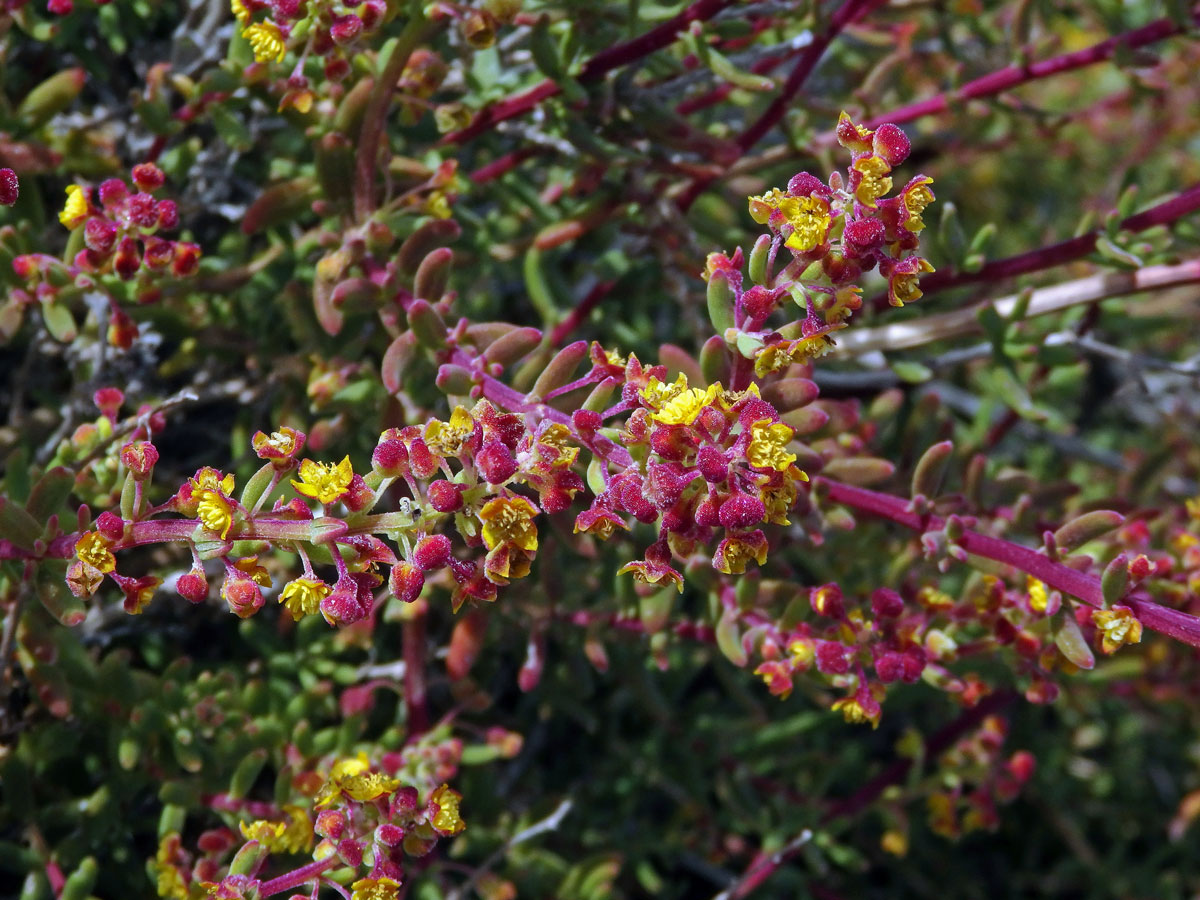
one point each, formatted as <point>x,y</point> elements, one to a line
<point>358,816</point>
<point>835,232</point>
<point>118,228</point>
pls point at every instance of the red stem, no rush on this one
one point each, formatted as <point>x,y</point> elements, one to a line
<point>297,877</point>
<point>593,70</point>
<point>1085,587</point>
<point>1014,75</point>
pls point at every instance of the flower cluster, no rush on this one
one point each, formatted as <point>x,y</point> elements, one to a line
<point>835,231</point>
<point>364,817</point>
<point>118,227</point>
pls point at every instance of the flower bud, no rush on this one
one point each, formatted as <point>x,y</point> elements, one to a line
<point>330,824</point>
<point>495,462</point>
<point>586,420</point>
<point>159,253</point>
<point>110,525</point>
<point>804,184</point>
<point>889,667</point>
<point>142,210</point>
<point>432,552</point>
<point>357,495</point>
<point>139,458</point>
<point>113,192</point>
<point>9,187</point>
<point>167,214</point>
<point>741,511</point>
<point>826,600</point>
<point>128,258</point>
<point>886,603</point>
<point>832,658</point>
<point>892,144</point>
<point>187,258</point>
<point>863,236</point>
<point>345,28</point>
<point>243,596</point>
<point>406,582</point>
<point>148,177</point>
<point>192,586</point>
<point>444,496</point>
<point>99,234</point>
<point>390,458</point>
<point>350,852</point>
<point>713,464</point>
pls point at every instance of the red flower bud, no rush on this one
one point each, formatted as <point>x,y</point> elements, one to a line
<point>495,462</point>
<point>444,496</point>
<point>892,144</point>
<point>358,496</point>
<point>889,667</point>
<point>142,210</point>
<point>389,835</point>
<point>826,600</point>
<point>187,257</point>
<point>330,824</point>
<point>159,253</point>
<point>192,586</point>
<point>148,177</point>
<point>167,213</point>
<point>128,258</point>
<point>108,400</point>
<point>110,525</point>
<point>406,582</point>
<point>351,852</point>
<point>60,7</point>
<point>372,13</point>
<point>390,458</point>
<point>886,603</point>
<point>243,596</point>
<point>9,187</point>
<point>741,511</point>
<point>862,236</point>
<point>113,192</point>
<point>805,185</point>
<point>586,420</point>
<point>337,68</point>
<point>139,458</point>
<point>100,234</point>
<point>713,464</point>
<point>832,658</point>
<point>286,9</point>
<point>707,511</point>
<point>122,330</point>
<point>345,28</point>
<point>432,552</point>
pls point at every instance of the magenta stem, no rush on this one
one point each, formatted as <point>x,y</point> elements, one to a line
<point>297,877</point>
<point>1085,587</point>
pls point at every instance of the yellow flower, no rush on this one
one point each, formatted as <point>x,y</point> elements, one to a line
<point>1118,626</point>
<point>875,181</point>
<point>266,40</point>
<point>762,206</point>
<point>266,833</point>
<point>214,512</point>
<point>92,549</point>
<point>76,208</point>
<point>683,407</point>
<point>210,479</point>
<point>368,786</point>
<point>509,520</point>
<point>302,597</point>
<point>375,889</point>
<point>353,777</point>
<point>249,567</point>
<point>809,218</point>
<point>240,12</point>
<point>557,436</point>
<point>1038,596</point>
<point>447,438</point>
<point>915,198</point>
<point>855,713</point>
<point>656,392</point>
<point>768,446</point>
<point>324,481</point>
<point>772,358</point>
<point>447,820</point>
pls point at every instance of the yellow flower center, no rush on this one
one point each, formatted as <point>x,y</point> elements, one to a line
<point>324,482</point>
<point>875,181</point>
<point>809,218</point>
<point>509,520</point>
<point>768,445</point>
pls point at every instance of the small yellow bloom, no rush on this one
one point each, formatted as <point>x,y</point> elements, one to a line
<point>1118,626</point>
<point>852,711</point>
<point>214,512</point>
<point>324,482</point>
<point>915,198</point>
<point>762,206</point>
<point>375,889</point>
<point>509,520</point>
<point>266,833</point>
<point>240,12</point>
<point>210,479</point>
<point>249,567</point>
<point>447,438</point>
<point>92,549</point>
<point>266,40</point>
<point>368,786</point>
<point>302,597</point>
<point>894,842</point>
<point>656,392</point>
<point>447,820</point>
<point>768,446</point>
<point>76,208</point>
<point>1038,596</point>
<point>684,407</point>
<point>809,218</point>
<point>875,181</point>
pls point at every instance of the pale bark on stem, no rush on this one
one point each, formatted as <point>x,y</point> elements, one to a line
<point>965,321</point>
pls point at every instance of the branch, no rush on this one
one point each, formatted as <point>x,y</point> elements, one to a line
<point>1085,587</point>
<point>960,322</point>
<point>593,70</point>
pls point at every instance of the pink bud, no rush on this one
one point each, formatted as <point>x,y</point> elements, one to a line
<point>741,511</point>
<point>390,458</point>
<point>406,582</point>
<point>148,177</point>
<point>495,462</point>
<point>192,586</point>
<point>187,258</point>
<point>892,144</point>
<point>826,600</point>
<point>243,596</point>
<point>9,187</point>
<point>432,552</point>
<point>713,464</point>
<point>113,192</point>
<point>862,236</point>
<point>886,603</point>
<point>142,210</point>
<point>831,658</point>
<point>108,400</point>
<point>586,420</point>
<point>444,496</point>
<point>139,458</point>
<point>330,824</point>
<point>100,234</point>
<point>345,28</point>
<point>159,253</point>
<point>805,185</point>
<point>167,213</point>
